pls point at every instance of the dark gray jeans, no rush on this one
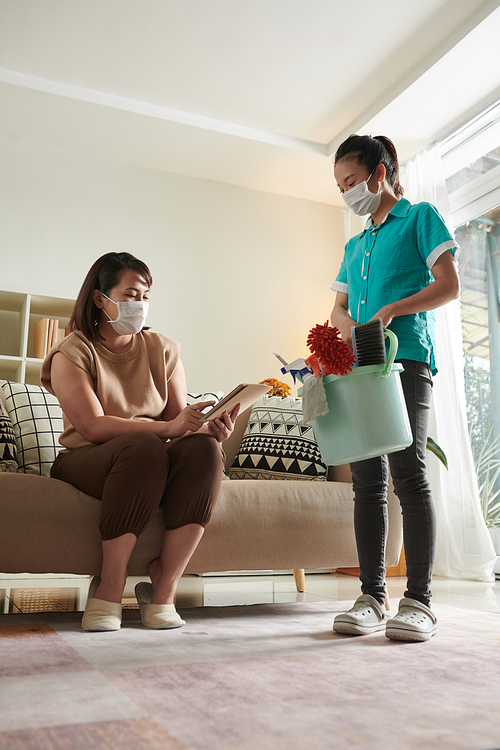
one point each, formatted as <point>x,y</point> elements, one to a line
<point>409,476</point>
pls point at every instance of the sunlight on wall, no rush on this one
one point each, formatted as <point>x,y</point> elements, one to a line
<point>238,273</point>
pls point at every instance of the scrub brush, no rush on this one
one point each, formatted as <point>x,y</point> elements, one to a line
<point>368,343</point>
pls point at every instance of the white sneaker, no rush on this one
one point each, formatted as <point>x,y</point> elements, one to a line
<point>413,622</point>
<point>365,617</point>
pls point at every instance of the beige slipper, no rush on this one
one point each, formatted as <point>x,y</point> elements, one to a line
<point>100,614</point>
<point>157,616</point>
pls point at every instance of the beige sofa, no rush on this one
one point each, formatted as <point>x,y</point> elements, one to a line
<point>48,526</point>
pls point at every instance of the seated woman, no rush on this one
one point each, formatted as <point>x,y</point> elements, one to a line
<point>130,439</point>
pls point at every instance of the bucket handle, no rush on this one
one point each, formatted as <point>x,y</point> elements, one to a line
<point>393,347</point>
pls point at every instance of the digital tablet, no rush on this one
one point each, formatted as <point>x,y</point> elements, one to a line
<point>244,394</point>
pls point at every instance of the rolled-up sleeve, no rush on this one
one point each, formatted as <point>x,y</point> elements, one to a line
<point>433,236</point>
<point>340,283</point>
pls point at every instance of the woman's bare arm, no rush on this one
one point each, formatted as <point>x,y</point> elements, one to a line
<point>444,288</point>
<point>73,388</point>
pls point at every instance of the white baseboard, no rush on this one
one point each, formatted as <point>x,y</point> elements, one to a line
<point>229,573</point>
<point>44,576</point>
<point>496,569</point>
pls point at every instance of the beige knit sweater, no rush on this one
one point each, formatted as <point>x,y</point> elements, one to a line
<point>132,385</point>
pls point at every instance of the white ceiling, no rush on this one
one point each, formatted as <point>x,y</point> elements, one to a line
<point>256,93</point>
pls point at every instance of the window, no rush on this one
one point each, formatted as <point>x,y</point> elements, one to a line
<point>469,173</point>
<point>478,267</point>
<point>471,160</point>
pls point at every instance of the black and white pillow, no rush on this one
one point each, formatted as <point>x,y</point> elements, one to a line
<point>277,444</point>
<point>37,421</point>
<point>8,448</point>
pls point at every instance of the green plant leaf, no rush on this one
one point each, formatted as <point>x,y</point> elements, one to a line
<point>433,447</point>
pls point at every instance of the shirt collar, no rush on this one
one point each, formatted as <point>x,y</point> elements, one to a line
<point>400,210</point>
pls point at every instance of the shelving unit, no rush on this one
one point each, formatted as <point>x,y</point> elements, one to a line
<point>19,311</point>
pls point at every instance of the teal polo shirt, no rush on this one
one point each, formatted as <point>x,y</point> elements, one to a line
<point>391,261</point>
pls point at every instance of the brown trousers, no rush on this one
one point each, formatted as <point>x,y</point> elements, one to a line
<point>133,474</point>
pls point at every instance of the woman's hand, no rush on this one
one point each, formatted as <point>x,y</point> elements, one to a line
<point>341,319</point>
<point>188,421</point>
<point>345,329</point>
<point>387,315</point>
<point>222,428</point>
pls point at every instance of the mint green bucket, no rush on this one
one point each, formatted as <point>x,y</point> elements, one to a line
<point>367,414</point>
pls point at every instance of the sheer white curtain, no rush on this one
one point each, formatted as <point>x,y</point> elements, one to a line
<point>464,547</point>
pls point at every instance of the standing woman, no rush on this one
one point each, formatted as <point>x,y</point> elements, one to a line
<point>399,268</point>
<point>130,440</point>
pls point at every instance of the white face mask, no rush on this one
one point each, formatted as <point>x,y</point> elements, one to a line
<point>131,316</point>
<point>360,200</point>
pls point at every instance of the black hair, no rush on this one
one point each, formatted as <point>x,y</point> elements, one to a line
<point>370,152</point>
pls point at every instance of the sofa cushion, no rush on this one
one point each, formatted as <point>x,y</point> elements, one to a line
<point>37,421</point>
<point>8,449</point>
<point>277,444</point>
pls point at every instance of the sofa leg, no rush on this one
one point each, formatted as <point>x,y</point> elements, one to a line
<point>300,579</point>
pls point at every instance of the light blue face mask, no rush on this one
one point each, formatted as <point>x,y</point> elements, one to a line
<point>131,316</point>
<point>362,201</point>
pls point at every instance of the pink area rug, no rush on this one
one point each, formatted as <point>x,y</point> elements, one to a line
<point>256,677</point>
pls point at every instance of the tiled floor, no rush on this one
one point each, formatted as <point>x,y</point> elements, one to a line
<point>55,594</point>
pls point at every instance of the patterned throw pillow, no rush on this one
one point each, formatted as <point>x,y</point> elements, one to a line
<point>8,449</point>
<point>37,420</point>
<point>277,444</point>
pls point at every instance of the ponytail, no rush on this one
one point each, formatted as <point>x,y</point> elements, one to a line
<point>370,152</point>
<point>393,157</point>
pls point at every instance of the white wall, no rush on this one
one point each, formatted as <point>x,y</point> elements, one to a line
<point>238,273</point>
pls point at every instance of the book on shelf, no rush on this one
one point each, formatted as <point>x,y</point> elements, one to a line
<point>50,336</point>
<point>46,333</point>
<point>40,338</point>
